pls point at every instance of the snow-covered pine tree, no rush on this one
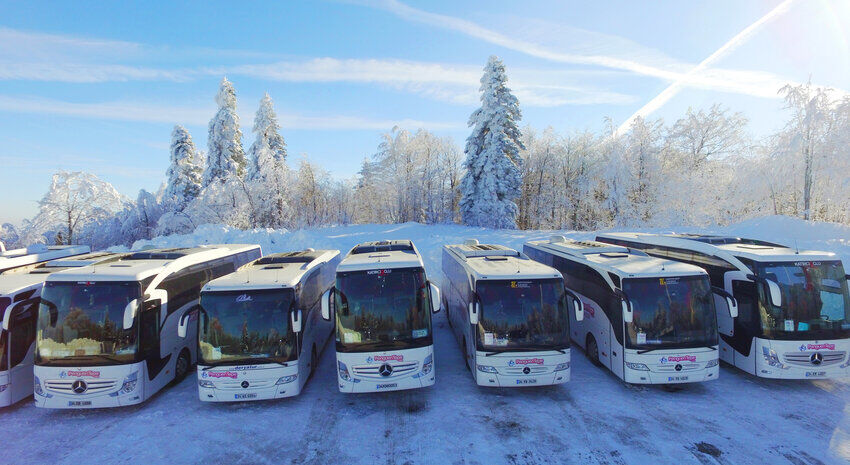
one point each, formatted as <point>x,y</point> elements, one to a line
<point>183,182</point>
<point>493,179</point>
<point>226,157</point>
<point>267,131</point>
<point>269,187</point>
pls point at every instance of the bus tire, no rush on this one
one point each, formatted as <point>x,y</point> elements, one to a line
<point>591,349</point>
<point>465,355</point>
<point>181,367</point>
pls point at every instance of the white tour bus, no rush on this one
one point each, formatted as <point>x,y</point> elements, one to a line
<point>509,313</point>
<point>36,254</point>
<point>261,328</point>
<point>382,304</point>
<point>107,334</point>
<point>794,308</point>
<point>649,320</point>
<point>20,292</point>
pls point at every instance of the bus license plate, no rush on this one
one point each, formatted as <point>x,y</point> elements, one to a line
<point>78,403</point>
<point>815,374</point>
<point>677,378</point>
<point>245,396</point>
<point>526,381</point>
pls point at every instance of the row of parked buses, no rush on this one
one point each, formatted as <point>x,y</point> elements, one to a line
<point>87,330</point>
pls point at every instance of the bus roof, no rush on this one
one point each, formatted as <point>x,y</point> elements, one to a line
<point>281,270</point>
<point>726,248</point>
<point>621,261</point>
<point>12,283</point>
<point>38,253</point>
<point>381,255</point>
<point>137,266</point>
<point>493,261</point>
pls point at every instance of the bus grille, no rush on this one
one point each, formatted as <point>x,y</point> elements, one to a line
<point>234,385</point>
<point>373,371</point>
<point>517,370</point>
<point>672,367</point>
<point>93,386</point>
<point>805,358</point>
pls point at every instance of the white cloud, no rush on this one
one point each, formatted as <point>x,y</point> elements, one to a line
<point>591,48</point>
<point>174,114</point>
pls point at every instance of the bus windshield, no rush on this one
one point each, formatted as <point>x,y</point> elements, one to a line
<point>247,327</point>
<point>523,315</point>
<point>815,302</point>
<point>382,310</point>
<point>83,323</point>
<point>671,312</point>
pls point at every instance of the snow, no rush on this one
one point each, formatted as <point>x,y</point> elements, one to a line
<point>595,418</point>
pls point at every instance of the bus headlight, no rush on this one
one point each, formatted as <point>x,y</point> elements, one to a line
<point>562,366</point>
<point>637,366</point>
<point>36,388</point>
<point>129,384</point>
<point>428,365</point>
<point>343,371</point>
<point>712,363</point>
<point>772,358</point>
<point>286,379</point>
<point>205,383</point>
<point>3,387</point>
<point>487,369</point>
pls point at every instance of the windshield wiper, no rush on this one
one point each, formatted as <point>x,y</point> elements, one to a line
<point>244,362</point>
<point>643,351</point>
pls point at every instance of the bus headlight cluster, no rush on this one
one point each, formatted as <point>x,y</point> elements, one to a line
<point>637,366</point>
<point>487,369</point>
<point>205,383</point>
<point>36,388</point>
<point>712,363</point>
<point>343,371</point>
<point>772,358</point>
<point>428,365</point>
<point>286,379</point>
<point>129,384</point>
<point>562,366</point>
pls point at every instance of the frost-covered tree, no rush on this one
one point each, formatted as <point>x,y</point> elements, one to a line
<point>9,236</point>
<point>183,181</point>
<point>493,178</point>
<point>269,187</point>
<point>225,156</point>
<point>267,132</point>
<point>73,200</point>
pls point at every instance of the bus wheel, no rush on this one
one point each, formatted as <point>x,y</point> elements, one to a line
<point>314,361</point>
<point>592,350</point>
<point>465,357</point>
<point>181,368</point>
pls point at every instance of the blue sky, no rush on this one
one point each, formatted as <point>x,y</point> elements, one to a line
<point>95,87</point>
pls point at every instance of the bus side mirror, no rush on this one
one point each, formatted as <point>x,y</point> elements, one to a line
<point>731,302</point>
<point>130,311</point>
<point>775,293</point>
<point>8,316</point>
<point>326,304</point>
<point>435,297</point>
<point>628,315</point>
<point>578,306</point>
<point>473,312</point>
<point>296,321</point>
<point>162,296</point>
<point>183,324</point>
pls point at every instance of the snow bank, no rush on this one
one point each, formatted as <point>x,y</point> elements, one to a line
<point>429,238</point>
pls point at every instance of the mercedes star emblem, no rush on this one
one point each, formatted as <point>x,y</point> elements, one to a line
<point>817,358</point>
<point>79,386</point>
<point>385,370</point>
<point>678,367</point>
<point>245,384</point>
<point>526,370</point>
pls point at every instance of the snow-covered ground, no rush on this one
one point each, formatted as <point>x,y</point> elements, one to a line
<point>595,418</point>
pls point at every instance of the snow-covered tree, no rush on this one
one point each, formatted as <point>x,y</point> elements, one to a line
<point>269,187</point>
<point>225,157</point>
<point>73,200</point>
<point>183,181</point>
<point>493,178</point>
<point>9,236</point>
<point>267,131</point>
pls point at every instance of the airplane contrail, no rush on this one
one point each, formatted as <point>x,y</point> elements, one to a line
<point>728,47</point>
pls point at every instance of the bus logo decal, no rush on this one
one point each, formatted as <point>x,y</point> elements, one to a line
<point>220,374</point>
<point>526,361</point>
<point>679,358</point>
<point>386,358</point>
<point>805,347</point>
<point>244,298</point>
<point>80,373</point>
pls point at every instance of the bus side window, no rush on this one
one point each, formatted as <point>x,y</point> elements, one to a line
<point>745,294</point>
<point>22,332</point>
<point>149,329</point>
